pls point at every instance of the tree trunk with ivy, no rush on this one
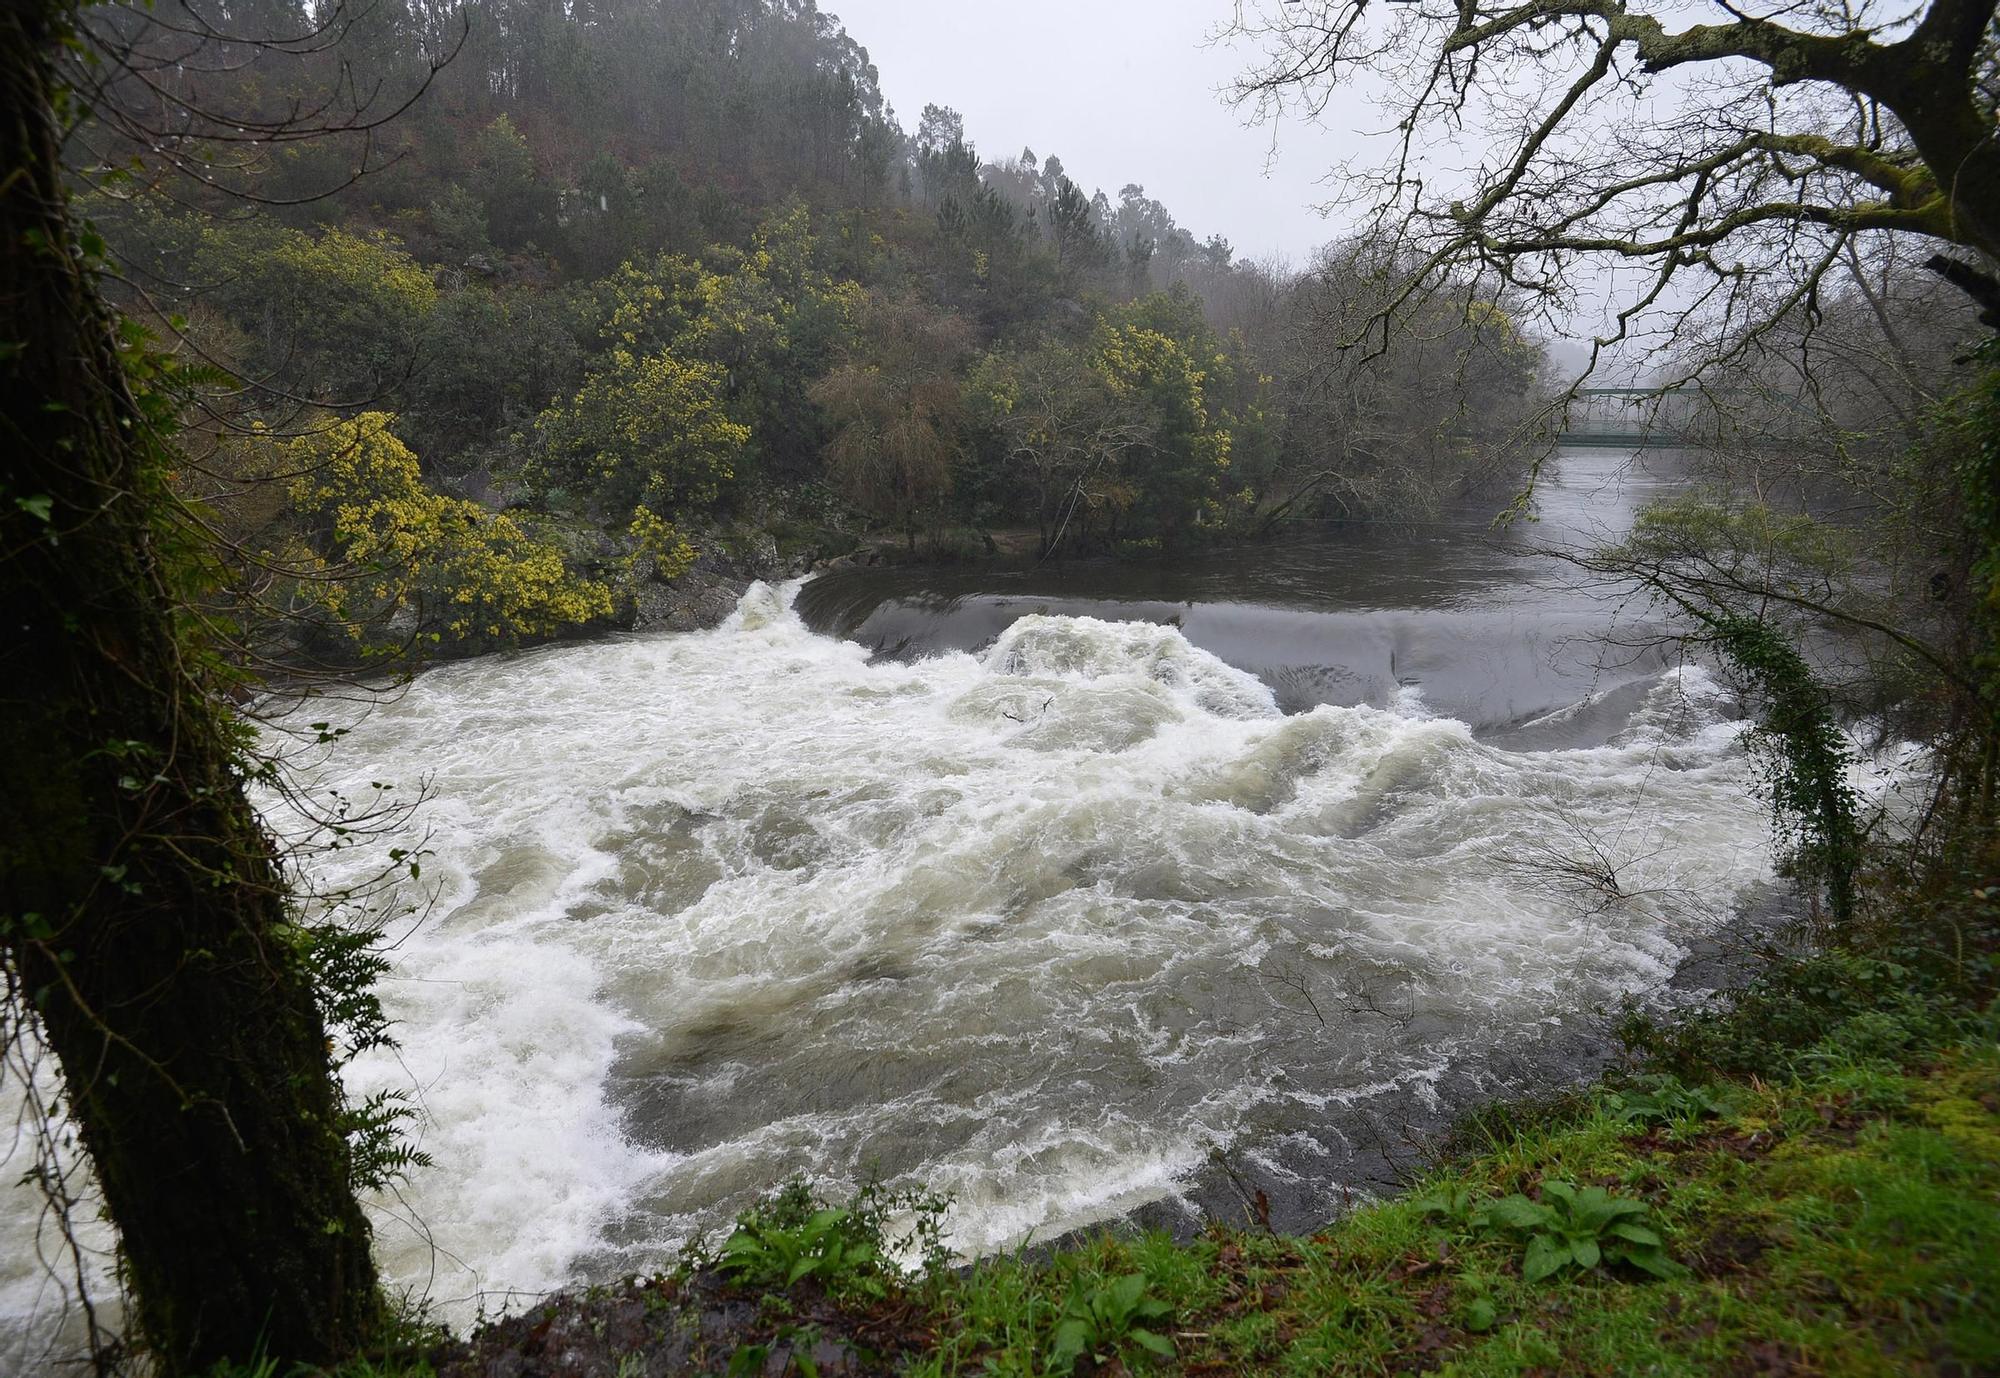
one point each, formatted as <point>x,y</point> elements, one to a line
<point>142,909</point>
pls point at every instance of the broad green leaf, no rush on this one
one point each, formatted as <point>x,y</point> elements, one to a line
<point>1545,1256</point>
<point>1068,1343</point>
<point>1519,1213</point>
<point>1654,1262</point>
<point>1637,1234</point>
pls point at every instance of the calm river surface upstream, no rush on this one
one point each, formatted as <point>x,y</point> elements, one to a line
<point>1078,893</point>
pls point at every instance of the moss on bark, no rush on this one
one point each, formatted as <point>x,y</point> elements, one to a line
<point>141,906</point>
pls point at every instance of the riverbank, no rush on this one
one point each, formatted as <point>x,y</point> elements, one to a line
<point>1804,1179</point>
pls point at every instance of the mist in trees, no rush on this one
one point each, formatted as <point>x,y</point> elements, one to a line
<point>680,255</point>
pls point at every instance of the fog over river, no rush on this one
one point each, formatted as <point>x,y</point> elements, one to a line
<point>1076,893</point>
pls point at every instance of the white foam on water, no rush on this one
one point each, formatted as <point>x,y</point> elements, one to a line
<point>1036,927</point>
<point>40,1327</point>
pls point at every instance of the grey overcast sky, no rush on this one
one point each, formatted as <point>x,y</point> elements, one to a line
<point>1123,91</point>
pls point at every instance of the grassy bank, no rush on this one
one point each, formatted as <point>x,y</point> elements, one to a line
<point>1803,1180</point>
<point>1842,1223</point>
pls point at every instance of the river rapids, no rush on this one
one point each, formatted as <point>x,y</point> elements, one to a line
<point>1083,922</point>
<point>1047,927</point>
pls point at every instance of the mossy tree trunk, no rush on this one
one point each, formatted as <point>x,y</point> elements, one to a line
<point>141,905</point>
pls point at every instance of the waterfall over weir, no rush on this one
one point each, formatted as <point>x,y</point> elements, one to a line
<point>1045,927</point>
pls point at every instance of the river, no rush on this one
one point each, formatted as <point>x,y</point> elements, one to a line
<point>1078,893</point>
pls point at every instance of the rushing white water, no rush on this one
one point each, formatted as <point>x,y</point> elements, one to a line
<point>1072,924</point>
<point>1041,927</point>
<point>1044,927</point>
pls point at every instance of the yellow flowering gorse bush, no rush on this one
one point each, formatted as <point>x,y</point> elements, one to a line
<point>659,550</point>
<point>395,545</point>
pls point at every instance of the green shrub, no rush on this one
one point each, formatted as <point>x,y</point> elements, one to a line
<point>1661,1098</point>
<point>1100,1321</point>
<point>1802,1002</point>
<point>1570,1227</point>
<point>794,1237</point>
<point>832,1246</point>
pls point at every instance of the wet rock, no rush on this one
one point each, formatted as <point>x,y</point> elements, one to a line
<point>686,1325</point>
<point>696,601</point>
<point>762,550</point>
<point>862,558</point>
<point>707,593</point>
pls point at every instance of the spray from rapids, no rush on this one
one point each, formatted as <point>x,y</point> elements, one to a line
<point>1041,927</point>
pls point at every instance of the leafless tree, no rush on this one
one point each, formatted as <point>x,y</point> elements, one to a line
<point>1439,406</point>
<point>1757,143</point>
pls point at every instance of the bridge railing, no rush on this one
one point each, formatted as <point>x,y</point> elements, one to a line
<point>1637,416</point>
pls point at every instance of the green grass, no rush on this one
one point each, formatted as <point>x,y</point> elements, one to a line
<point>1841,1222</point>
<point>1844,1224</point>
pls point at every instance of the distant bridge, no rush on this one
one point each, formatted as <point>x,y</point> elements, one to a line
<point>1634,418</point>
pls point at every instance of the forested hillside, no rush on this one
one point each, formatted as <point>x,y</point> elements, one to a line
<point>588,292</point>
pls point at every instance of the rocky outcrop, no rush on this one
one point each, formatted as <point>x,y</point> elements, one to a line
<point>692,602</point>
<point>708,592</point>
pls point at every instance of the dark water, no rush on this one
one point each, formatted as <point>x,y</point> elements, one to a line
<point>1461,617</point>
